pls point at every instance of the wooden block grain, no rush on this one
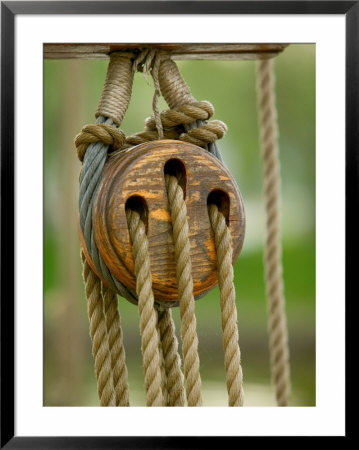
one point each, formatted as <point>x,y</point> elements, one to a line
<point>139,173</point>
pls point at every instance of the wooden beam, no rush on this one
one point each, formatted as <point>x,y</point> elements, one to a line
<point>178,51</point>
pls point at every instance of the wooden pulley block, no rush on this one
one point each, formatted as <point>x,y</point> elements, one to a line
<point>135,179</point>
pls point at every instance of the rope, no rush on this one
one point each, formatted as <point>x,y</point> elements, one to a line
<point>178,210</point>
<point>203,136</point>
<point>148,315</point>
<point>93,145</point>
<point>116,93</point>
<point>232,355</point>
<point>117,350</point>
<point>183,114</point>
<point>184,121</point>
<point>157,95</point>
<point>147,59</point>
<point>278,339</point>
<point>172,360</point>
<point>149,135</point>
<point>163,372</point>
<point>176,93</point>
<point>100,349</point>
<point>93,133</point>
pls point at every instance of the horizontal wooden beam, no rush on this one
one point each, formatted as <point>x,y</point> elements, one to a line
<point>178,51</point>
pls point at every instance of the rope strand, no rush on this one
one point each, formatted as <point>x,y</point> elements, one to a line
<point>172,360</point>
<point>278,335</point>
<point>98,334</point>
<point>115,342</point>
<point>148,315</point>
<point>232,354</point>
<point>185,290</point>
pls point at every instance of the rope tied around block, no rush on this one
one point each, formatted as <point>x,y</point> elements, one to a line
<point>107,134</point>
<point>185,120</point>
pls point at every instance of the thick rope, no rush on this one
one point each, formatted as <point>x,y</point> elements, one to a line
<point>172,360</point>
<point>232,354</point>
<point>178,211</point>
<point>93,146</point>
<point>183,114</point>
<point>203,136</point>
<point>163,372</point>
<point>115,342</point>
<point>148,315</point>
<point>100,348</point>
<point>176,93</point>
<point>149,135</point>
<point>117,90</point>
<point>101,132</point>
<point>278,336</point>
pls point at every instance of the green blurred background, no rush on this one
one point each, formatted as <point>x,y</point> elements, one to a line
<point>72,89</point>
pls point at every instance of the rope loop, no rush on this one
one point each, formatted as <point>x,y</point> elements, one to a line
<point>90,134</point>
<point>183,115</point>
<point>116,93</point>
<point>206,134</point>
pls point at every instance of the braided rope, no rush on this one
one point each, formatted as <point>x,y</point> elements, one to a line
<point>117,90</point>
<point>178,210</point>
<point>176,93</point>
<point>149,135</point>
<point>93,145</point>
<point>100,348</point>
<point>148,315</point>
<point>204,135</point>
<point>183,114</point>
<point>90,134</point>
<point>163,371</point>
<point>172,360</point>
<point>232,354</point>
<point>278,336</point>
<point>115,342</point>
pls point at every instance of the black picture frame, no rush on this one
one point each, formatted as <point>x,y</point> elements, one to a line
<point>9,10</point>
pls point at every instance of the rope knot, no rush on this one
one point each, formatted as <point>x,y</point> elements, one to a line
<point>182,115</point>
<point>90,134</point>
<point>206,134</point>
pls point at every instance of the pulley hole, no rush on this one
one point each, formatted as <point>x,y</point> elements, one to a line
<point>138,204</point>
<point>221,200</point>
<point>176,168</point>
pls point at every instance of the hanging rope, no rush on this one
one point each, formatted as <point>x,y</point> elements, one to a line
<point>148,315</point>
<point>172,360</point>
<point>181,242</point>
<point>117,350</point>
<point>163,370</point>
<point>232,354</point>
<point>100,348</point>
<point>176,93</point>
<point>278,338</point>
<point>93,152</point>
